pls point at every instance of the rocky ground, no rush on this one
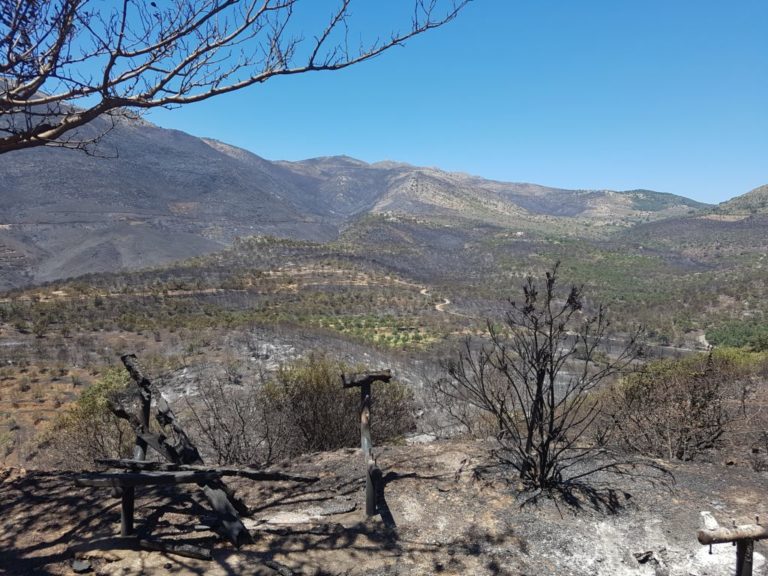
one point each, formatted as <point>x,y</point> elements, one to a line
<point>446,513</point>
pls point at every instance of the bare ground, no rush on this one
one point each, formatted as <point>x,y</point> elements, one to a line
<point>444,514</point>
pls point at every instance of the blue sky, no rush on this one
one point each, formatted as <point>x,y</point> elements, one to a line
<point>668,95</point>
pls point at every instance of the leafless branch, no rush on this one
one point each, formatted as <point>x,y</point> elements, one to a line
<point>65,62</point>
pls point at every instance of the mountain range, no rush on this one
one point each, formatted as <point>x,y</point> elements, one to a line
<point>157,195</point>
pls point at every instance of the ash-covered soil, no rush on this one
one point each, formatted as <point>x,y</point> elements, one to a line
<point>446,512</point>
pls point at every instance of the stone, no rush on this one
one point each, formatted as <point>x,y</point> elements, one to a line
<point>81,566</point>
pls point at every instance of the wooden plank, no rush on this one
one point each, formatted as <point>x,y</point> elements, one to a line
<point>360,378</point>
<point>130,479</point>
<point>250,473</point>
<point>722,535</point>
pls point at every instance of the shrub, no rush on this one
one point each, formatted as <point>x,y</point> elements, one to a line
<point>751,334</point>
<point>303,408</point>
<point>681,409</point>
<point>535,381</point>
<point>88,430</point>
<point>236,423</point>
<point>325,417</point>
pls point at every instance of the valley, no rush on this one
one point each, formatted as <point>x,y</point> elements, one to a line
<point>180,246</point>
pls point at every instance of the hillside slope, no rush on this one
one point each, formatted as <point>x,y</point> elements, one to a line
<point>161,195</point>
<point>753,202</point>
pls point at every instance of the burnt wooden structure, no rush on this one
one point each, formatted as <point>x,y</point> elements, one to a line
<point>126,482</point>
<point>743,537</point>
<point>250,473</point>
<point>373,476</point>
<point>185,466</point>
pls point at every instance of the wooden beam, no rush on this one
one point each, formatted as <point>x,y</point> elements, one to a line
<point>722,535</point>
<point>131,479</point>
<point>361,378</point>
<point>250,473</point>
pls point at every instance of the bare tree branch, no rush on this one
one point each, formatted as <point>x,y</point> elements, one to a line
<point>65,62</point>
<point>535,378</point>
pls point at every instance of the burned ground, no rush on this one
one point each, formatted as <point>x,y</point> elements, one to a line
<point>446,512</point>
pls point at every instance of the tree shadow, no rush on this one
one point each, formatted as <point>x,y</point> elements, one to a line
<point>27,499</point>
<point>87,519</point>
<point>593,491</point>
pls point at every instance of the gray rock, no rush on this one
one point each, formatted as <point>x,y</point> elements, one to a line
<point>81,566</point>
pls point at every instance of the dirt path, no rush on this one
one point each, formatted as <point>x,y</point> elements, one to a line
<point>438,307</point>
<point>441,307</point>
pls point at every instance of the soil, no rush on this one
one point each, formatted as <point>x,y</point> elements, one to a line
<point>448,510</point>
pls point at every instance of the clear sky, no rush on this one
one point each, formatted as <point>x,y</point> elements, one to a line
<point>670,95</point>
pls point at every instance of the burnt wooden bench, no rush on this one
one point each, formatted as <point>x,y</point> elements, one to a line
<point>126,482</point>
<point>183,465</point>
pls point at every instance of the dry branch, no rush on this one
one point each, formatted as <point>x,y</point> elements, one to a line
<point>64,63</point>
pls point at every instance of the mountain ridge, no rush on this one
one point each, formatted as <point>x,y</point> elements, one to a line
<point>169,195</point>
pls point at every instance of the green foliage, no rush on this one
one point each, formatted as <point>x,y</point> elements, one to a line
<point>324,416</point>
<point>750,334</point>
<point>94,399</point>
<point>649,201</point>
<point>681,409</point>
<point>87,429</point>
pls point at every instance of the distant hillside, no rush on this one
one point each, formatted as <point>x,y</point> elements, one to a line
<point>753,202</point>
<point>161,195</point>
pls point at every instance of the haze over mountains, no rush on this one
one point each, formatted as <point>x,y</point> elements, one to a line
<point>169,195</point>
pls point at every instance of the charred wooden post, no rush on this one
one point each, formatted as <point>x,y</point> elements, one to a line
<point>743,536</point>
<point>126,510</point>
<point>744,552</point>
<point>140,449</point>
<point>363,380</point>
